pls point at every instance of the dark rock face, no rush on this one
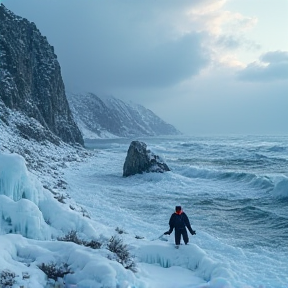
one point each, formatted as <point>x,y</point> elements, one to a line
<point>139,160</point>
<point>31,81</point>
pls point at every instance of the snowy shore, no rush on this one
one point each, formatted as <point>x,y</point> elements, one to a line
<point>34,219</point>
<point>83,191</point>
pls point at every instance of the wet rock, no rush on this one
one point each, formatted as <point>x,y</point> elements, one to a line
<point>140,160</point>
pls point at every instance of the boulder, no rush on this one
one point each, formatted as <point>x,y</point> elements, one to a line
<point>140,160</point>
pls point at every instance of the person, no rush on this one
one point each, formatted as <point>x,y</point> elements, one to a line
<point>180,221</point>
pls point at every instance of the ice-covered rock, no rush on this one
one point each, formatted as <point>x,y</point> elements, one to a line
<point>139,160</point>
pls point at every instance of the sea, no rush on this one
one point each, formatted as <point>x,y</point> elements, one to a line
<point>234,189</point>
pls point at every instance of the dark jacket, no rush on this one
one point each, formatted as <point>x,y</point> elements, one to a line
<point>179,221</point>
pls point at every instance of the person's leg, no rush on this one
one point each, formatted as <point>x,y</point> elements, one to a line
<point>177,237</point>
<point>185,236</point>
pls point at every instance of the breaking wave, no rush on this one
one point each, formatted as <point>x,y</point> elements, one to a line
<point>281,188</point>
<point>263,182</point>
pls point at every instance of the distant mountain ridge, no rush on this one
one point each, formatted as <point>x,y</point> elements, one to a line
<point>31,84</point>
<point>107,117</point>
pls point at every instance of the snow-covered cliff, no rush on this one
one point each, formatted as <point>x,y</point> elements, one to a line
<point>31,84</point>
<point>104,117</point>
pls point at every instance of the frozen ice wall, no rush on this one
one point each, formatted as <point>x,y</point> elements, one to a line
<point>20,192</point>
<point>14,180</point>
<point>26,207</point>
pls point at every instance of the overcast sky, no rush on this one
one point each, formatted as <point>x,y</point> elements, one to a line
<point>205,66</point>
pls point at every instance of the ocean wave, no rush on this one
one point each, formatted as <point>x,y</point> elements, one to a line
<point>255,214</point>
<point>277,149</point>
<point>261,156</point>
<point>281,187</point>
<point>263,182</point>
<point>192,146</point>
<point>258,162</point>
<point>260,218</point>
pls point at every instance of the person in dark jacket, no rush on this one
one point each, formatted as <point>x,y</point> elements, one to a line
<point>180,221</point>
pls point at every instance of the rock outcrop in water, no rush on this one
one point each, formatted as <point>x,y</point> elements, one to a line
<point>140,160</point>
<point>31,85</point>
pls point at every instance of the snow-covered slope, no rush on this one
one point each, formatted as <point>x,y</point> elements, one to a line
<point>30,218</point>
<point>105,117</point>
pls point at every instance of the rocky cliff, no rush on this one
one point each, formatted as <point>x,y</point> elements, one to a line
<point>31,85</point>
<point>108,116</point>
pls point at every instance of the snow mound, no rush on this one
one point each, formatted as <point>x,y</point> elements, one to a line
<point>187,256</point>
<point>88,267</point>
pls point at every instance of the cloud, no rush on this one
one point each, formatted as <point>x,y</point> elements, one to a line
<point>275,57</point>
<point>228,41</point>
<point>161,65</point>
<point>226,32</point>
<point>217,103</point>
<point>212,17</point>
<point>111,44</point>
<point>233,42</point>
<point>108,45</point>
<point>271,67</point>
